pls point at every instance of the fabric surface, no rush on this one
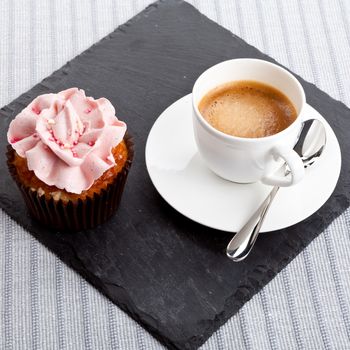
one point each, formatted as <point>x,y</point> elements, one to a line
<point>45,305</point>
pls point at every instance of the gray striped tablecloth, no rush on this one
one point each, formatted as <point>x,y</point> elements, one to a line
<point>45,305</point>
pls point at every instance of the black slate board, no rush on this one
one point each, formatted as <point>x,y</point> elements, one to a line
<point>168,273</point>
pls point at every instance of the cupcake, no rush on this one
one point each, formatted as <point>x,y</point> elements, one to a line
<point>70,156</point>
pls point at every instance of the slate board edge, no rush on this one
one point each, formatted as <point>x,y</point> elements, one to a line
<point>266,275</point>
<point>64,70</point>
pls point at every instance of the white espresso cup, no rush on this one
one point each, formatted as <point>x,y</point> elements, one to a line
<point>247,160</point>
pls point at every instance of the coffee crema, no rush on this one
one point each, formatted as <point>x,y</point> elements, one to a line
<point>247,108</point>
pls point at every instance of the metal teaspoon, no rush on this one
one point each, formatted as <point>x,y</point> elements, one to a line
<point>310,146</point>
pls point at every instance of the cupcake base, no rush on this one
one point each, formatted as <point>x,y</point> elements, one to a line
<point>80,214</point>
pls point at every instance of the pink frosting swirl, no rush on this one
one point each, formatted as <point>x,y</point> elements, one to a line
<point>67,138</point>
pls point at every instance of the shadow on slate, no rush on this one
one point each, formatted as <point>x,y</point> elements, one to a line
<point>168,273</point>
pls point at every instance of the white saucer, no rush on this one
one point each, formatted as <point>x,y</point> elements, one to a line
<point>178,173</point>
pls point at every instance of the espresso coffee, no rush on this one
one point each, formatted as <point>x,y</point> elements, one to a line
<point>247,109</point>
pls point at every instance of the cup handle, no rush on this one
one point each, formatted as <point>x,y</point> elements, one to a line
<point>294,163</point>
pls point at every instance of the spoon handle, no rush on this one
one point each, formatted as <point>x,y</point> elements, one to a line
<point>244,240</point>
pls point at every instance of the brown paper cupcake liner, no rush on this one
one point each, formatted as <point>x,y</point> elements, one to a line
<point>81,214</point>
